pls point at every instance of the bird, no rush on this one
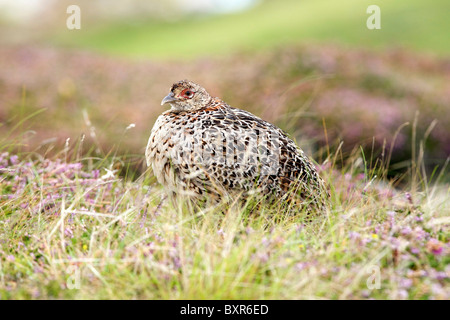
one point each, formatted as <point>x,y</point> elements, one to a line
<point>204,148</point>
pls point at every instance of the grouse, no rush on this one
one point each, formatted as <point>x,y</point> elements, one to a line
<point>202,147</point>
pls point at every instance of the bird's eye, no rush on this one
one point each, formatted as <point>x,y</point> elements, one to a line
<point>187,93</point>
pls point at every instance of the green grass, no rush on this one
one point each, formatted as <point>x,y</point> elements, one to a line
<point>413,24</point>
<point>70,232</point>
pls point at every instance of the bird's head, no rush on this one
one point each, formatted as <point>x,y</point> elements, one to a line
<point>186,95</point>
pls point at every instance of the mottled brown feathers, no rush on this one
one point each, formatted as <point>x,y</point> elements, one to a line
<point>204,147</point>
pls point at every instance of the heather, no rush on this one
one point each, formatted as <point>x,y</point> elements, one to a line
<point>388,102</point>
<point>73,227</point>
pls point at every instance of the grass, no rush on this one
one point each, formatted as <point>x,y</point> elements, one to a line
<point>411,24</point>
<point>72,228</point>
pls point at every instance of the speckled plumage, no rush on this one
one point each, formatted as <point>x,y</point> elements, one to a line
<point>203,147</point>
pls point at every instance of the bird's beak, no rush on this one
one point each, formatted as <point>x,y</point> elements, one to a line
<point>168,99</point>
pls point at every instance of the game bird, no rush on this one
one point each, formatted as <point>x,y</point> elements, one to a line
<point>203,148</point>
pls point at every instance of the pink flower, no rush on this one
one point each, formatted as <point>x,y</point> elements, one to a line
<point>14,159</point>
<point>406,283</point>
<point>354,235</point>
<point>435,246</point>
<point>406,230</point>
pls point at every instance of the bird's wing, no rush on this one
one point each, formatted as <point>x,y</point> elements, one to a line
<point>255,149</point>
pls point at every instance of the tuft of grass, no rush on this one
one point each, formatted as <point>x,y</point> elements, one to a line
<point>72,228</point>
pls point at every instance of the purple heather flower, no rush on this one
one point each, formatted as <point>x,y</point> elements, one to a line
<point>263,257</point>
<point>395,243</point>
<point>38,269</point>
<point>420,233</point>
<point>437,289</point>
<point>265,241</point>
<point>61,169</point>
<point>300,266</point>
<point>68,233</point>
<point>85,174</point>
<point>14,159</point>
<point>95,174</point>
<point>21,244</point>
<point>176,262</point>
<point>405,283</point>
<point>418,273</point>
<point>409,197</point>
<point>353,235</point>
<point>435,246</point>
<point>324,271</point>
<point>441,275</point>
<point>406,230</point>
<point>75,166</point>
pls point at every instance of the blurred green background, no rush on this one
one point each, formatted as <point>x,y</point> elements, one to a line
<point>415,24</point>
<point>186,29</point>
<point>304,65</point>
